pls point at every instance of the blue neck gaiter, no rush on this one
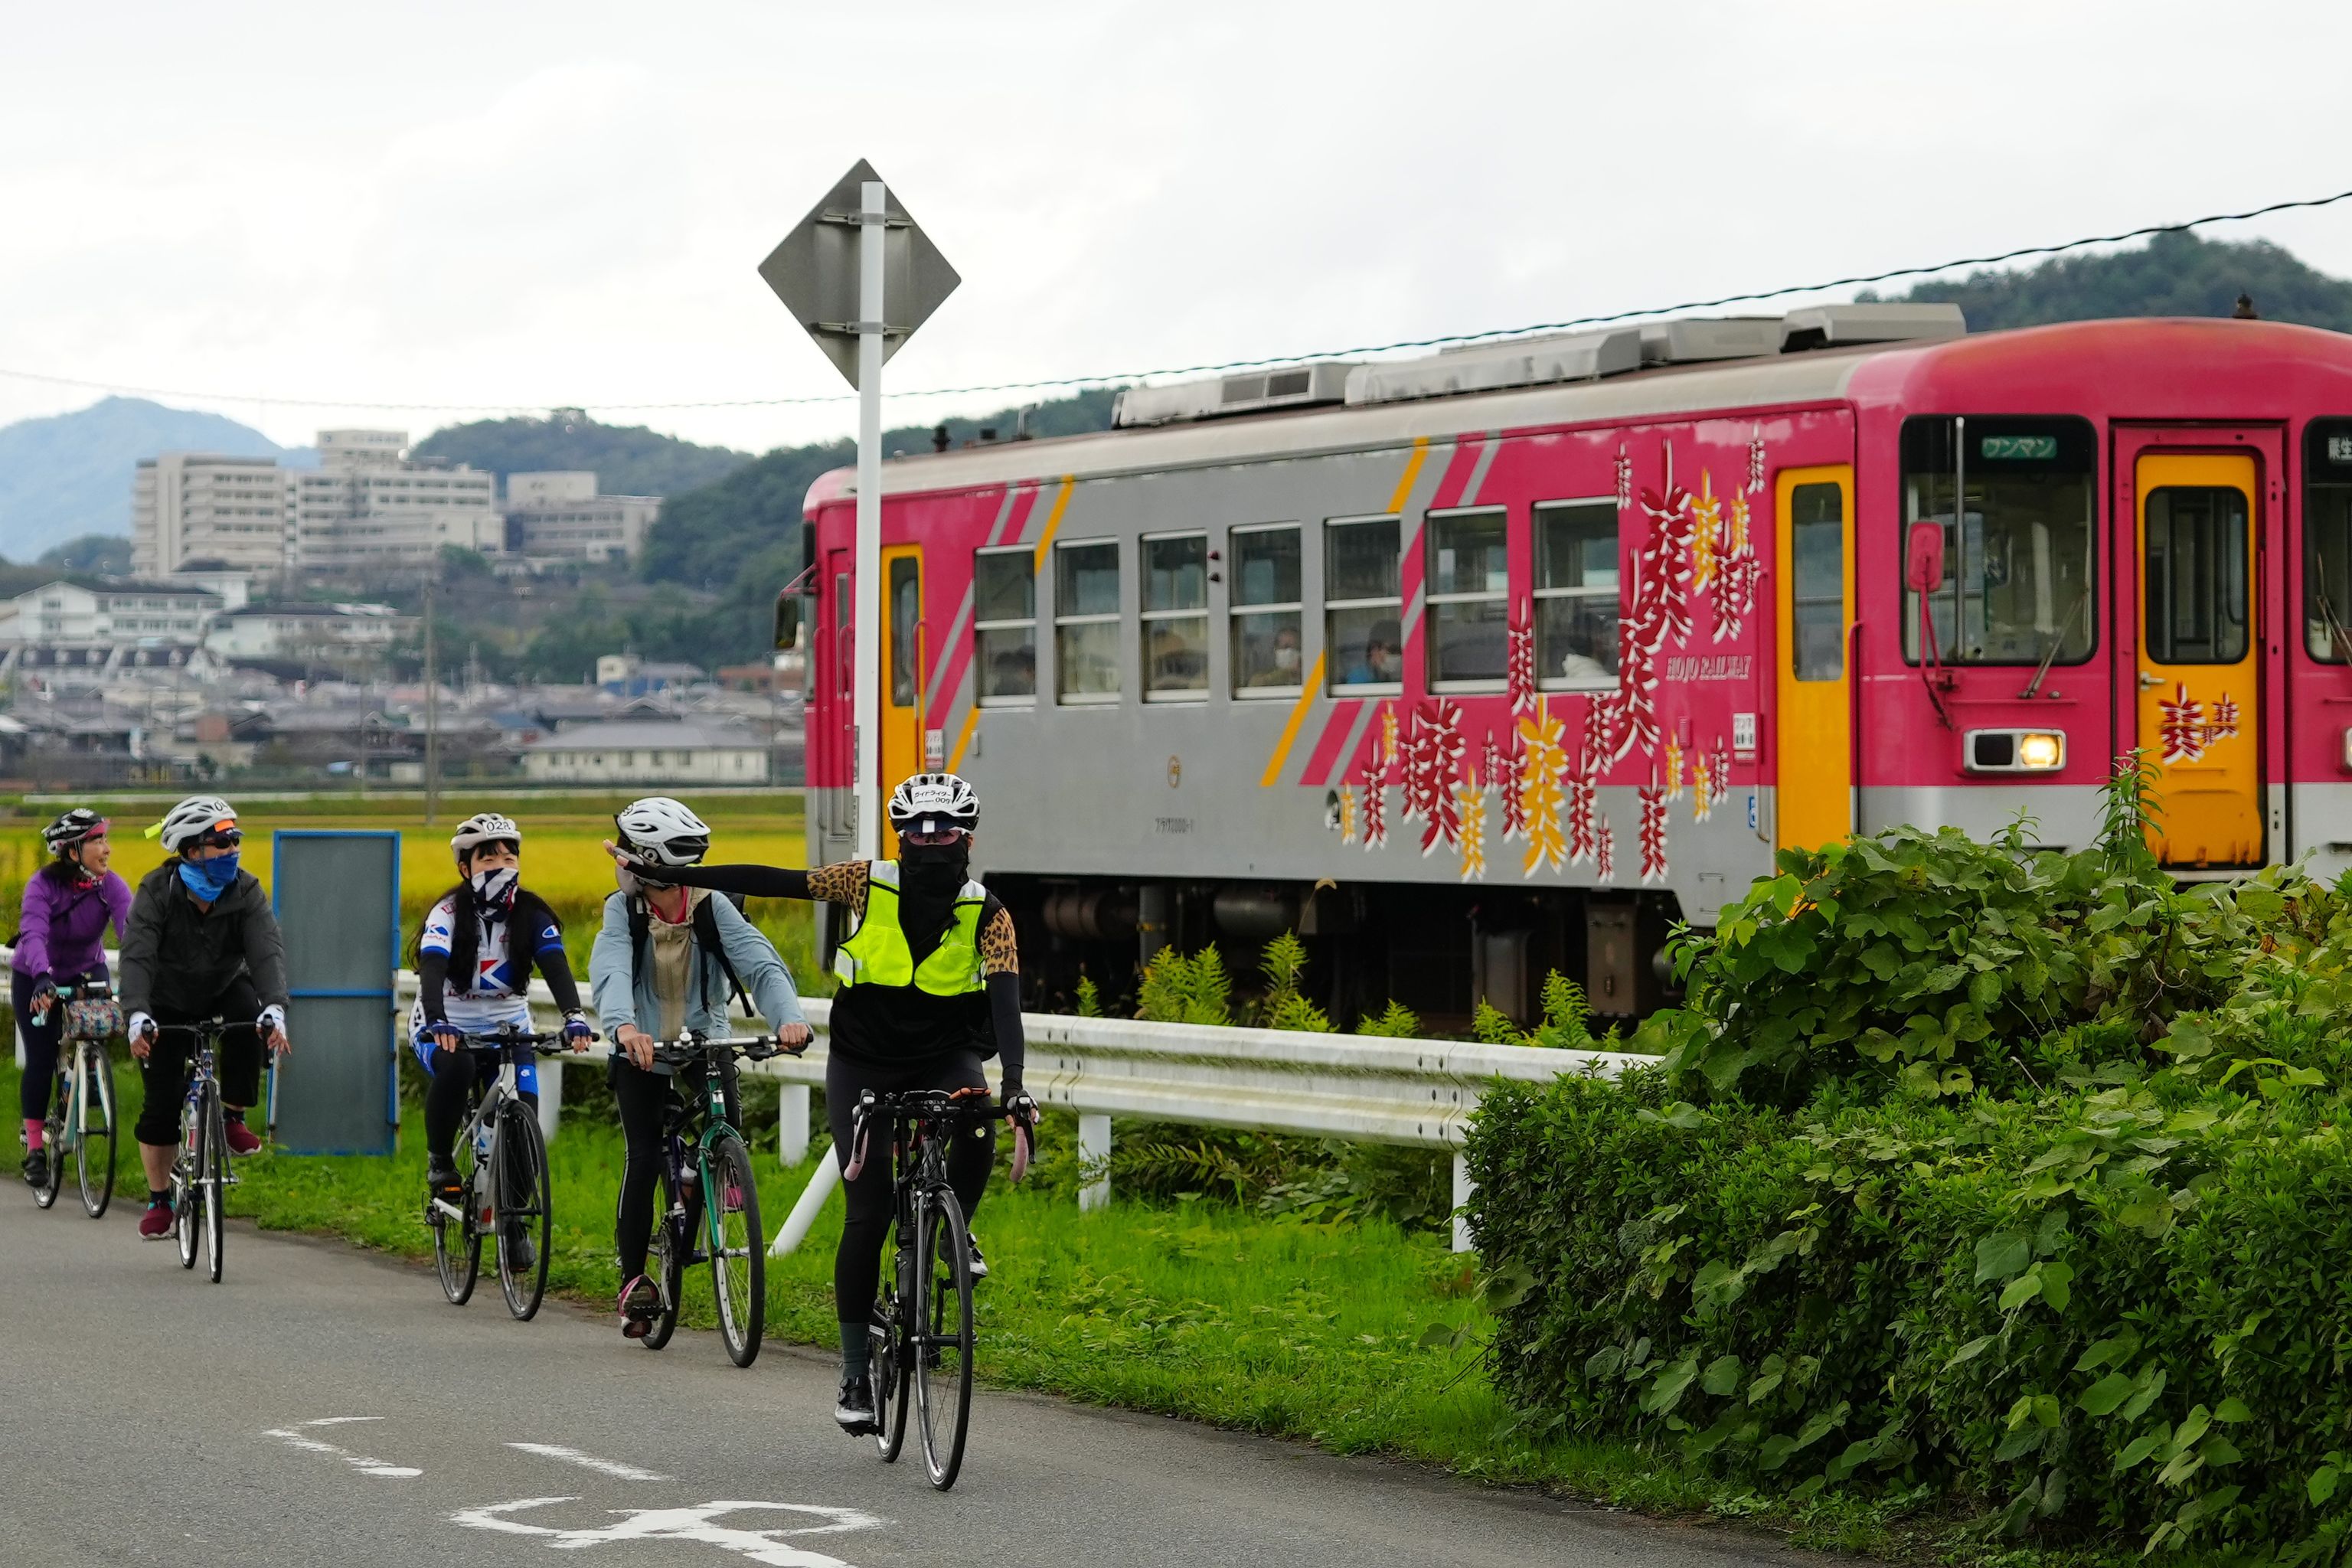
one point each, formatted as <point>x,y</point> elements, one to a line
<point>208,879</point>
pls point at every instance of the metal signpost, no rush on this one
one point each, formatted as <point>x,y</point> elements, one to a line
<point>836,290</point>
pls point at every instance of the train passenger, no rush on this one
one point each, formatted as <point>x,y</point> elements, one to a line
<point>1377,662</point>
<point>1282,670</point>
<point>666,961</point>
<point>68,904</point>
<point>202,944</point>
<point>474,957</point>
<point>932,987</point>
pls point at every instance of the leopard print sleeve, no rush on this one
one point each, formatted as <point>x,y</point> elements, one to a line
<point>842,882</point>
<point>998,952</point>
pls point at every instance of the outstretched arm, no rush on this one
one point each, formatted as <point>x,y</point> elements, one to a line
<point>1001,958</point>
<point>757,881</point>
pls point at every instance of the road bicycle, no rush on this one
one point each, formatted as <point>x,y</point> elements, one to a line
<point>81,1098</point>
<point>921,1328</point>
<point>708,1210</point>
<point>201,1173</point>
<point>502,1179</point>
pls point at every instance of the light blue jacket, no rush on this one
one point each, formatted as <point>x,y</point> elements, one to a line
<point>619,1000</point>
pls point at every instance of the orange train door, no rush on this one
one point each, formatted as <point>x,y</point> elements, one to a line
<point>2198,523</point>
<point>1813,610</point>
<point>903,653</point>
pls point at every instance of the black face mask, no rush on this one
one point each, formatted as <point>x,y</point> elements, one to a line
<point>930,878</point>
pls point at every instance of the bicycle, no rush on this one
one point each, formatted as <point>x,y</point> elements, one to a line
<point>711,1190</point>
<point>82,1100</point>
<point>500,1136</point>
<point>201,1173</point>
<point>921,1328</point>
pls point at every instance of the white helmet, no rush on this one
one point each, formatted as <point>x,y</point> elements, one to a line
<point>484,827</point>
<point>192,819</point>
<point>944,798</point>
<point>662,832</point>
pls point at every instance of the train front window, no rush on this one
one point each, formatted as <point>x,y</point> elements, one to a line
<point>906,619</point>
<point>1004,625</point>
<point>2020,560</point>
<point>1363,610</point>
<point>1175,616</point>
<point>2328,540</point>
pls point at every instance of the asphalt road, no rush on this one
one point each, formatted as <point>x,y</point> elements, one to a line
<point>324,1406</point>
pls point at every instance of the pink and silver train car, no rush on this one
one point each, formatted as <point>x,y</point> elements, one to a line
<point>1504,659</point>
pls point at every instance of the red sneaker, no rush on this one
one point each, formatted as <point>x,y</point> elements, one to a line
<point>241,1139</point>
<point>157,1222</point>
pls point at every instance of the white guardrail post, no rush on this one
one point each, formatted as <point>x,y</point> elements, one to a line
<point>1094,1155</point>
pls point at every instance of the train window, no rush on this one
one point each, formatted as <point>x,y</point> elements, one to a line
<point>1816,565</point>
<point>1469,599</point>
<point>1361,609</point>
<point>1175,617</point>
<point>2196,575</point>
<point>2328,540</point>
<point>1085,621</point>
<point>1267,632</point>
<point>905,620</point>
<point>1576,593</point>
<point>2020,564</point>
<point>1004,625</point>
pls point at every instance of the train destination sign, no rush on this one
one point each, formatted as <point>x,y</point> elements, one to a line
<point>2019,448</point>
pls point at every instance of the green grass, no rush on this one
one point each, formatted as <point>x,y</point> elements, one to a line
<point>1199,1310</point>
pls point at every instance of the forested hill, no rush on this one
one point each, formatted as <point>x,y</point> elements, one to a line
<point>627,460</point>
<point>2172,275</point>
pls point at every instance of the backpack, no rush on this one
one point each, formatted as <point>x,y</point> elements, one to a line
<point>707,942</point>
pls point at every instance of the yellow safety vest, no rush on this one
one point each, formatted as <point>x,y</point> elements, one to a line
<point>876,952</point>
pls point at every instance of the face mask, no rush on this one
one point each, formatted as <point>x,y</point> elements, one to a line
<point>936,863</point>
<point>208,879</point>
<point>1286,658</point>
<point>494,890</point>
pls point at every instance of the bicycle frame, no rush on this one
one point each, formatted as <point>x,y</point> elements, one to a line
<point>715,1057</point>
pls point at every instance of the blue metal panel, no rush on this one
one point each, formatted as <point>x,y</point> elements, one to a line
<point>342,993</point>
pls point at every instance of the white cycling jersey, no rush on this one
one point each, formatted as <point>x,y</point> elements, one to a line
<point>494,994</point>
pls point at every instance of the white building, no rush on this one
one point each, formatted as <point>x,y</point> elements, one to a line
<point>298,631</point>
<point>120,612</point>
<point>199,506</point>
<point>368,505</point>
<point>558,516</point>
<point>648,750</point>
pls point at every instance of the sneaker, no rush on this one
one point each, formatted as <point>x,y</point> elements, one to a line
<point>854,1407</point>
<point>441,1178</point>
<point>157,1222</point>
<point>36,1168</point>
<point>979,1263</point>
<point>521,1256</point>
<point>240,1137</point>
<point>638,1305</point>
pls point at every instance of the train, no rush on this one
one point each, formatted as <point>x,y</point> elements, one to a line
<point>1514,657</point>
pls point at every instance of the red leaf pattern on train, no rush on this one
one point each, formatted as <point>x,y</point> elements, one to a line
<point>1650,837</point>
<point>2186,732</point>
<point>1604,860</point>
<point>1581,831</point>
<point>1520,667</point>
<point>1436,755</point>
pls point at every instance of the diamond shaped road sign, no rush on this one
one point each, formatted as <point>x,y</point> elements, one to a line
<point>814,272</point>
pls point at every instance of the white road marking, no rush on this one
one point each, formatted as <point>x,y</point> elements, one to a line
<point>360,1462</point>
<point>589,1461</point>
<point>696,1523</point>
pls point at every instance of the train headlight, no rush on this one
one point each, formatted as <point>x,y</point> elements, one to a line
<point>2022,750</point>
<point>2041,748</point>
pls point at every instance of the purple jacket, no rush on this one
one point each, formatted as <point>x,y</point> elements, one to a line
<point>65,925</point>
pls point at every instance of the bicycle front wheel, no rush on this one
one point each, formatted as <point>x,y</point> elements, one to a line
<point>523,1208</point>
<point>888,1374</point>
<point>663,1265</point>
<point>188,1194</point>
<point>943,1334</point>
<point>94,1138</point>
<point>216,1182</point>
<point>458,1238</point>
<point>53,1140</point>
<point>739,1262</point>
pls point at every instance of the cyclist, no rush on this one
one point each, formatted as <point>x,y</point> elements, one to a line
<point>931,986</point>
<point>201,944</point>
<point>68,904</point>
<point>473,959</point>
<point>666,963</point>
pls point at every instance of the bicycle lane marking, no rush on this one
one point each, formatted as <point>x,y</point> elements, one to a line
<point>589,1461</point>
<point>362,1463</point>
<point>699,1523</point>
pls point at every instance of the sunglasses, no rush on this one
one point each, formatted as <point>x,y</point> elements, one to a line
<point>221,838</point>
<point>934,839</point>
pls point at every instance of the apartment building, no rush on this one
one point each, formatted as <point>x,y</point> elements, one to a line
<point>558,516</point>
<point>203,506</point>
<point>115,612</point>
<point>369,504</point>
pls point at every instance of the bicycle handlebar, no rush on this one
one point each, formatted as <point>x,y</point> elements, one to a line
<point>688,1049</point>
<point>215,1027</point>
<point>545,1043</point>
<point>935,1105</point>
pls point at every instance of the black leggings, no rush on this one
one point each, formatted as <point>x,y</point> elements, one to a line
<point>456,1078</point>
<point>40,1045</point>
<point>857,1264</point>
<point>236,1059</point>
<point>645,1100</point>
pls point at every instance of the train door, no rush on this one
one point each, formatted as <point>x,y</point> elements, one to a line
<point>903,653</point>
<point>1813,610</point>
<point>2198,530</point>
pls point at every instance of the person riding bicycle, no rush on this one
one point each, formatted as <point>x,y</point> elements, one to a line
<point>930,988</point>
<point>666,961</point>
<point>68,904</point>
<point>474,958</point>
<point>201,944</point>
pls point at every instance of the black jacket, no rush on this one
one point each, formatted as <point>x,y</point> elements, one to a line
<point>178,958</point>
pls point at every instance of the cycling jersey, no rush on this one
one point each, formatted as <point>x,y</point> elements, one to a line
<point>494,993</point>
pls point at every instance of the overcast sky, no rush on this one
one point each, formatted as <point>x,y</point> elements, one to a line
<point>531,204</point>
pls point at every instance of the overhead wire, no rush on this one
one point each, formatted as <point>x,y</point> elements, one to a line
<point>1120,378</point>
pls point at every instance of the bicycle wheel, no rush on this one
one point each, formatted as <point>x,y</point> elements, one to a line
<point>888,1375</point>
<point>187,1193</point>
<point>739,1262</point>
<point>519,1157</point>
<point>664,1266</point>
<point>94,1141</point>
<point>943,1337</point>
<point>53,1139</point>
<point>216,1180</point>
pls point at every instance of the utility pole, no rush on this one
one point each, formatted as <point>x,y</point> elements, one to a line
<point>431,708</point>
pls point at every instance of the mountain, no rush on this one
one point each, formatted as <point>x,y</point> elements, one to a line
<point>2172,275</point>
<point>627,460</point>
<point>69,474</point>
